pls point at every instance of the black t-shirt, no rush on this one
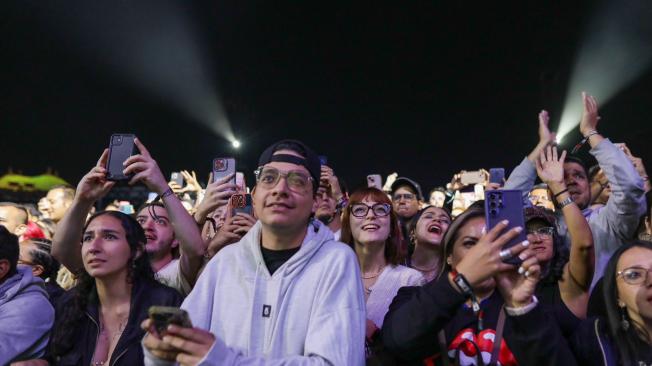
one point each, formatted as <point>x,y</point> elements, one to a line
<point>275,258</point>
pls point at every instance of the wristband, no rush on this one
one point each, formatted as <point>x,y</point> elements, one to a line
<point>465,287</point>
<point>522,310</point>
<point>168,192</point>
<point>560,193</point>
<point>584,140</point>
<point>565,202</point>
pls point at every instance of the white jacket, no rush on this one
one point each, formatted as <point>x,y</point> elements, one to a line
<point>310,312</point>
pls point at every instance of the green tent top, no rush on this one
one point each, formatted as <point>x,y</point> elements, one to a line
<point>17,182</point>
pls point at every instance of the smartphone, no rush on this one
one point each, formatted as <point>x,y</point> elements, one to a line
<point>241,203</point>
<point>374,180</point>
<point>223,167</point>
<point>121,147</point>
<point>504,204</point>
<point>177,177</point>
<point>240,182</point>
<point>166,315</point>
<point>497,175</point>
<point>471,178</point>
<point>323,160</point>
<point>126,208</point>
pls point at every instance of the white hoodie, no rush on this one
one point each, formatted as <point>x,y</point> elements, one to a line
<point>310,312</point>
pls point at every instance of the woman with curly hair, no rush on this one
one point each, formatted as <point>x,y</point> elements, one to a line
<point>98,321</point>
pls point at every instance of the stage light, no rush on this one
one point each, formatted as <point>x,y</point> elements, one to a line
<point>235,144</point>
<point>614,52</point>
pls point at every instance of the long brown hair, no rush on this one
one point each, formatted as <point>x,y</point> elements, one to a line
<point>395,247</point>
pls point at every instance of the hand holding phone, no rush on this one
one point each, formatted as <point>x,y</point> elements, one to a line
<point>501,205</point>
<point>223,167</point>
<point>163,316</point>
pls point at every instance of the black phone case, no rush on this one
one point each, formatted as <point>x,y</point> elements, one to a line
<point>506,205</point>
<point>177,177</point>
<point>121,147</point>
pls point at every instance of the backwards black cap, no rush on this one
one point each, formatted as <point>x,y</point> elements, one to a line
<point>310,160</point>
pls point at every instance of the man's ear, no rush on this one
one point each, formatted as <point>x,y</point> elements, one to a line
<point>37,270</point>
<point>20,230</point>
<point>4,268</point>
<point>175,243</point>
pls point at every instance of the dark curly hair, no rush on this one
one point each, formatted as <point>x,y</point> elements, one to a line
<point>85,292</point>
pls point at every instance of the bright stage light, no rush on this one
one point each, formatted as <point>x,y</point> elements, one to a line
<point>235,144</point>
<point>615,50</point>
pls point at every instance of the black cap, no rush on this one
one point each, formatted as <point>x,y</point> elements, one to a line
<point>540,213</point>
<point>404,181</point>
<point>310,160</point>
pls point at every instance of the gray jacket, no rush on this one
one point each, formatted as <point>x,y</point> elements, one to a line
<point>26,317</point>
<point>611,224</point>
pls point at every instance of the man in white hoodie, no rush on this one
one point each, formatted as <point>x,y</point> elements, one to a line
<point>287,293</point>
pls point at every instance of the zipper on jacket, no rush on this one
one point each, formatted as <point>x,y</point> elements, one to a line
<point>98,333</point>
<point>113,361</point>
<point>597,334</point>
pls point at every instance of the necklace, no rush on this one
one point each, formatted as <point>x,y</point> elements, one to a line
<point>368,277</point>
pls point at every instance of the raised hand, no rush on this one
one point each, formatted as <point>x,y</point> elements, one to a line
<point>550,168</point>
<point>517,287</point>
<point>192,184</point>
<point>94,184</point>
<point>545,136</point>
<point>590,118</point>
<point>217,194</point>
<point>145,170</point>
<point>329,177</point>
<point>483,260</point>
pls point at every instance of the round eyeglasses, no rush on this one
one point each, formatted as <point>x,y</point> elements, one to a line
<point>634,275</point>
<point>379,209</point>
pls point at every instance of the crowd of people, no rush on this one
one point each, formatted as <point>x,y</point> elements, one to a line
<point>315,274</point>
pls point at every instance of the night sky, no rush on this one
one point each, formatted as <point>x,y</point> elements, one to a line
<point>425,88</point>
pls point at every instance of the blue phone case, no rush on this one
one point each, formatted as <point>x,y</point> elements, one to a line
<point>506,205</point>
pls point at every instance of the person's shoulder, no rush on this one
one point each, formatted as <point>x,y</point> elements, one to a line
<point>336,250</point>
<point>407,274</point>
<point>157,291</point>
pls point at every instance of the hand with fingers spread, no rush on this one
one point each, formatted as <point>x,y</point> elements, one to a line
<point>145,170</point>
<point>518,286</point>
<point>192,184</point>
<point>217,194</point>
<point>550,168</point>
<point>484,259</point>
<point>94,184</point>
<point>590,118</point>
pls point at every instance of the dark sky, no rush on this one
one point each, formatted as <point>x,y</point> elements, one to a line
<point>425,88</point>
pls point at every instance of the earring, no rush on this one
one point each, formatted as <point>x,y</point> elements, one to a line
<point>624,323</point>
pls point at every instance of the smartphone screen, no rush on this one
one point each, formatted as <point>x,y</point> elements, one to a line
<point>121,147</point>
<point>374,180</point>
<point>506,205</point>
<point>223,167</point>
<point>177,177</point>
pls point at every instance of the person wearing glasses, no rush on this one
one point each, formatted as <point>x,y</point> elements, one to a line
<point>371,229</point>
<point>406,202</point>
<point>286,293</point>
<point>566,278</point>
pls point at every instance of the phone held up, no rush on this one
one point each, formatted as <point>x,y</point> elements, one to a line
<point>121,147</point>
<point>503,204</point>
<point>163,316</point>
<point>472,177</point>
<point>177,178</point>
<point>375,181</point>
<point>241,203</point>
<point>497,175</point>
<point>223,167</point>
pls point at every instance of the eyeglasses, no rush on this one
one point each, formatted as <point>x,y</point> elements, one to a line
<point>405,196</point>
<point>379,209</point>
<point>542,231</point>
<point>268,178</point>
<point>634,275</point>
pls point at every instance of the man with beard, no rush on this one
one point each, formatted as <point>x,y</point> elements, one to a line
<point>167,224</point>
<point>612,224</point>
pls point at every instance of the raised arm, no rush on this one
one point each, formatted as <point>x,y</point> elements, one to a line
<point>67,238</point>
<point>191,246</point>
<point>524,175</point>
<point>578,272</point>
